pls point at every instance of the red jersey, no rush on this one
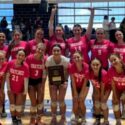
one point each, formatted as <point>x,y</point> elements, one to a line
<point>32,46</point>
<point>119,79</point>
<point>4,49</point>
<point>3,69</point>
<point>17,75</point>
<point>101,51</point>
<point>80,45</point>
<point>120,49</point>
<point>16,48</point>
<point>61,42</point>
<point>95,81</point>
<point>36,67</point>
<point>78,76</point>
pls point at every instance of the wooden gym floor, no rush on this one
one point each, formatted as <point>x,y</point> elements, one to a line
<point>47,116</point>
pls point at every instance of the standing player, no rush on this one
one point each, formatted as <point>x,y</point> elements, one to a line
<point>39,38</point>
<point>16,45</point>
<point>17,85</point>
<point>80,87</point>
<point>3,66</point>
<point>57,36</point>
<point>97,76</point>
<point>58,91</point>
<point>119,48</point>
<point>4,49</point>
<point>116,76</point>
<point>37,80</point>
<point>101,48</point>
<point>78,42</point>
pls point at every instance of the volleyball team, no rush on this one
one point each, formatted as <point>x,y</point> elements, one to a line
<point>25,67</point>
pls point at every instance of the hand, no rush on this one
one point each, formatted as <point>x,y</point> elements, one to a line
<point>54,9</point>
<point>92,10</point>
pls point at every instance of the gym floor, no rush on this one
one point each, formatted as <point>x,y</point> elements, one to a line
<point>47,114</point>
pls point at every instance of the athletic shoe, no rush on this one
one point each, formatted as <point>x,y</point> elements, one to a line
<point>3,115</point>
<point>97,122</point>
<point>19,121</point>
<point>118,122</point>
<point>105,123</point>
<point>74,120</point>
<point>83,122</point>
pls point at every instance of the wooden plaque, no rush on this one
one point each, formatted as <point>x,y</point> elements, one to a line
<point>56,75</point>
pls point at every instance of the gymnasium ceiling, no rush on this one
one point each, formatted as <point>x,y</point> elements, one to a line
<point>56,1</point>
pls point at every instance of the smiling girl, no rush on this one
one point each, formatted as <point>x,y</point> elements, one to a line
<point>116,76</point>
<point>37,80</point>
<point>80,87</point>
<point>17,85</point>
<point>97,75</point>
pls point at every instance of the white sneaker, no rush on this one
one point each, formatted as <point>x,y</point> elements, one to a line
<point>105,123</point>
<point>83,121</point>
<point>74,120</point>
<point>97,122</point>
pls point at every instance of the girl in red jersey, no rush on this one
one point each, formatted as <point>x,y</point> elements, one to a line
<point>79,42</point>
<point>97,76</point>
<point>3,66</point>
<point>16,45</point>
<point>37,80</point>
<point>17,85</point>
<point>58,80</point>
<point>119,48</point>
<point>80,87</point>
<point>39,38</point>
<point>116,76</point>
<point>57,36</point>
<point>3,48</point>
<point>101,48</point>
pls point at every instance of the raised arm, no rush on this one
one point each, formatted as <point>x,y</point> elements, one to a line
<point>90,24</point>
<point>51,22</point>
